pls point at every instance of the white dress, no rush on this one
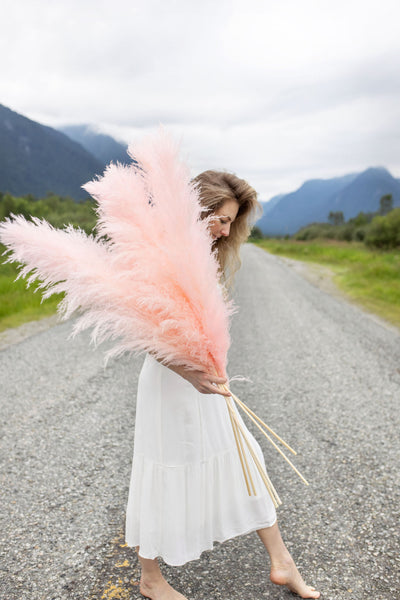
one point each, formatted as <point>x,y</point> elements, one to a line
<point>187,488</point>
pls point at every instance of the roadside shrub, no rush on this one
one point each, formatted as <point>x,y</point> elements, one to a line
<point>256,233</point>
<point>384,232</point>
<point>345,232</point>
<point>359,234</point>
<point>7,205</point>
<point>361,219</point>
<point>314,231</point>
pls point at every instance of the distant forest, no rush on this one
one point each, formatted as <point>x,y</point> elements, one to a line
<point>57,210</point>
<point>380,229</point>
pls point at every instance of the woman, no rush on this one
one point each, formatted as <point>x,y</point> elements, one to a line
<point>187,488</point>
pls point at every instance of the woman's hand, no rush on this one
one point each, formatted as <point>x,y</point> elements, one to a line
<point>202,381</point>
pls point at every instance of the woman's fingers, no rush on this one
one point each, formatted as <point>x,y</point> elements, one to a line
<point>212,389</point>
<point>220,384</point>
<point>214,385</point>
<point>216,379</point>
<point>217,389</point>
<point>223,392</point>
<point>206,383</point>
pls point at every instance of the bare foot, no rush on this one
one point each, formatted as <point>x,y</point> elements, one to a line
<point>159,590</point>
<point>287,574</point>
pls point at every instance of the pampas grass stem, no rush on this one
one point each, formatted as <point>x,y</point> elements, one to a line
<point>239,446</point>
<point>249,414</point>
<point>245,460</point>
<point>267,482</point>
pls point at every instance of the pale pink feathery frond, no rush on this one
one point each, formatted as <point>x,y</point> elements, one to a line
<point>159,196</point>
<point>71,262</point>
<point>153,285</point>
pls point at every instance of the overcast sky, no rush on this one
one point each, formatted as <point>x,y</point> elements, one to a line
<point>276,91</point>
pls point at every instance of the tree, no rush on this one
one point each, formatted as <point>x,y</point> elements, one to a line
<point>256,233</point>
<point>30,198</point>
<point>361,219</point>
<point>7,206</point>
<point>385,204</point>
<point>336,218</point>
<point>384,232</point>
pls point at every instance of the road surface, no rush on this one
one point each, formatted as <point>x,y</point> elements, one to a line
<point>323,373</point>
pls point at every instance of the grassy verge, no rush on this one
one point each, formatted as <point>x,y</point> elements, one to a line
<point>370,277</point>
<point>19,305</point>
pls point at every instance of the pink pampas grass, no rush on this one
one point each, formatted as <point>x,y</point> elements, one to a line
<point>153,286</point>
<point>149,280</point>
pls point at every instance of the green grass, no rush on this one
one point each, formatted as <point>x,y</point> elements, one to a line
<point>369,277</point>
<point>19,305</point>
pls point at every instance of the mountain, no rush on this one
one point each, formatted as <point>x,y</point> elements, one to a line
<point>37,159</point>
<point>104,147</point>
<point>303,206</point>
<point>313,201</point>
<point>269,205</point>
<point>364,193</point>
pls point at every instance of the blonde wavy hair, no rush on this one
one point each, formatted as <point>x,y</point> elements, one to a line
<point>215,188</point>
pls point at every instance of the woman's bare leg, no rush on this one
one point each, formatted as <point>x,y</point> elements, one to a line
<point>283,568</point>
<point>152,583</point>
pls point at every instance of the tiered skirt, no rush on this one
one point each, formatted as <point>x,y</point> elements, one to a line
<point>187,488</point>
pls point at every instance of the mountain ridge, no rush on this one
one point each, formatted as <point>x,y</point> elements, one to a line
<point>104,147</point>
<point>316,198</point>
<point>36,159</point>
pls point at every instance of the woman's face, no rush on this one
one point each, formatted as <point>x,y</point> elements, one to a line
<point>220,222</point>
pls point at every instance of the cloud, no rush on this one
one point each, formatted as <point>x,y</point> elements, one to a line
<point>277,92</point>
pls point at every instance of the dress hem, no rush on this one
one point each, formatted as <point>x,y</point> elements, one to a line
<point>181,562</point>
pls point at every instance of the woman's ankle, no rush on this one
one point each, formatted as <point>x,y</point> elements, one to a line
<point>282,560</point>
<point>150,582</point>
<point>150,571</point>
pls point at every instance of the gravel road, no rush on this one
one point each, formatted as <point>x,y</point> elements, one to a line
<point>324,374</point>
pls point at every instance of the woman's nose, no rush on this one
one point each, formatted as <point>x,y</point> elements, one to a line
<point>225,230</point>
